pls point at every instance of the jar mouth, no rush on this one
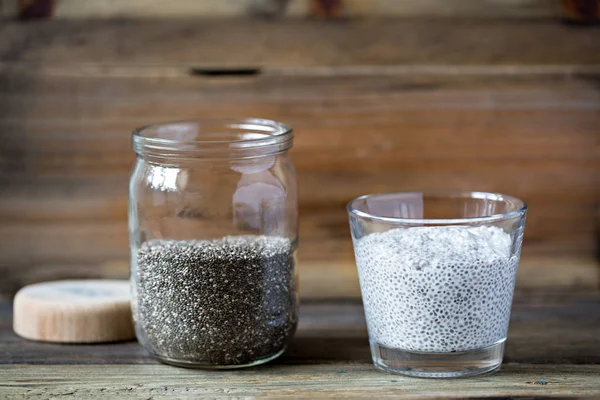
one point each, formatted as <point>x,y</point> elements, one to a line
<point>437,207</point>
<point>212,138</point>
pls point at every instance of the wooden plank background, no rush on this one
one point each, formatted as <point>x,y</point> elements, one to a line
<point>495,105</point>
<point>110,9</point>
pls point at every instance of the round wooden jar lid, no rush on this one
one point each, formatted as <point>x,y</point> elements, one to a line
<point>74,311</point>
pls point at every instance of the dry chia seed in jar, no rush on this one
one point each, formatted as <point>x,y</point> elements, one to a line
<point>228,301</point>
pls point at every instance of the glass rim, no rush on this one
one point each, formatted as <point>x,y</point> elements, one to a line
<point>277,137</point>
<point>521,210</point>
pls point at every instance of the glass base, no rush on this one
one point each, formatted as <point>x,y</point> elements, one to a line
<point>200,365</point>
<point>438,365</point>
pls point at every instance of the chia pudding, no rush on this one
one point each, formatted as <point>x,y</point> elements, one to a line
<point>229,301</point>
<point>437,289</point>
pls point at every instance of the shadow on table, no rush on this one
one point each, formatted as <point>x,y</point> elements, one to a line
<point>327,349</point>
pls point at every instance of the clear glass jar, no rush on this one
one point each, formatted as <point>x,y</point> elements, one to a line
<point>437,272</point>
<point>213,222</point>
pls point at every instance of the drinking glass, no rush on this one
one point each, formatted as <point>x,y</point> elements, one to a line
<point>437,273</point>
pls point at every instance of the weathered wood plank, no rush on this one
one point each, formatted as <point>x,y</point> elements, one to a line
<point>520,118</point>
<point>179,9</point>
<point>340,380</point>
<point>318,279</point>
<point>329,357</point>
<point>109,9</point>
<point>68,157</point>
<point>540,269</point>
<point>546,327</point>
<point>300,8</point>
<point>293,43</point>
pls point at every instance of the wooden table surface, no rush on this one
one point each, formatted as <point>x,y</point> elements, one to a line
<point>553,349</point>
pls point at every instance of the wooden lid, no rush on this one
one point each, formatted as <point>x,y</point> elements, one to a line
<point>74,311</point>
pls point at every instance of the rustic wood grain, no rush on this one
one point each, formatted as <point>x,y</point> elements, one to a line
<point>218,42</point>
<point>551,351</point>
<point>500,106</point>
<point>300,8</point>
<point>67,154</point>
<point>341,380</point>
<point>318,279</point>
<point>547,327</point>
<point>108,9</point>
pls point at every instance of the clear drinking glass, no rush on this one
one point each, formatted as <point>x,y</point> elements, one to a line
<point>213,223</point>
<point>437,272</point>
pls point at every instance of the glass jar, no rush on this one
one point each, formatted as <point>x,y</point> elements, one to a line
<point>437,272</point>
<point>213,233</point>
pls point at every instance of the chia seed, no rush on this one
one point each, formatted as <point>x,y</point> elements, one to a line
<point>437,289</point>
<point>229,301</point>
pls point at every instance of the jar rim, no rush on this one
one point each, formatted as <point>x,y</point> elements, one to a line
<point>212,138</point>
<point>518,208</point>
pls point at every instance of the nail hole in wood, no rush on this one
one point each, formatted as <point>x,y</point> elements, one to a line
<point>224,72</point>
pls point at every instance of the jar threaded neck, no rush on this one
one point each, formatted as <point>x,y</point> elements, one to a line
<point>212,138</point>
